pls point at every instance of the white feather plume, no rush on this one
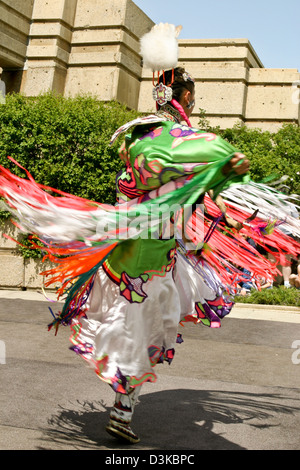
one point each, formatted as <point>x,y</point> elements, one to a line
<point>159,47</point>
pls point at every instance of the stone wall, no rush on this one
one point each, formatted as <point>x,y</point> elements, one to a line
<point>76,46</point>
<point>232,86</point>
<point>49,46</point>
<point>270,96</point>
<point>15,271</point>
<point>15,19</point>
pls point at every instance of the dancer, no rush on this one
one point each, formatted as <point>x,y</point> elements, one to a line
<point>131,273</point>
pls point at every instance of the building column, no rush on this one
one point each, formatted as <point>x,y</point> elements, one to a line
<point>15,19</point>
<point>49,46</point>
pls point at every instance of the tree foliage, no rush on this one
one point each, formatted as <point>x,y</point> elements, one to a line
<point>64,142</point>
<point>273,155</point>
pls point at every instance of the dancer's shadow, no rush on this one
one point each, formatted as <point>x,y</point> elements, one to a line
<point>170,420</point>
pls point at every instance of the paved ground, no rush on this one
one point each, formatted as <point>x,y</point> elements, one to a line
<point>236,388</point>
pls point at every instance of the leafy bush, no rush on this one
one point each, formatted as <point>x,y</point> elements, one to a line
<point>275,296</point>
<point>272,155</point>
<point>64,142</point>
<point>27,251</point>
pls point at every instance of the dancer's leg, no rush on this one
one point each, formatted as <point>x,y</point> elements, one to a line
<point>121,414</point>
<point>287,271</point>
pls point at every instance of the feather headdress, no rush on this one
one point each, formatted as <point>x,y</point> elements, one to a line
<point>159,47</point>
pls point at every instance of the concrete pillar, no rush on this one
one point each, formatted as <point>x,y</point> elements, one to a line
<point>104,58</point>
<point>49,46</point>
<point>15,18</point>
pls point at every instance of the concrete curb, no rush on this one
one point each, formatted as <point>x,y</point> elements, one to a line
<point>276,313</point>
<point>265,306</point>
<point>37,294</point>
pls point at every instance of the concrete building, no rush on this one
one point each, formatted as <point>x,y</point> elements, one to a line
<point>79,46</point>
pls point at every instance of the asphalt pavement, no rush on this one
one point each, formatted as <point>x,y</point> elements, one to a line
<point>232,388</point>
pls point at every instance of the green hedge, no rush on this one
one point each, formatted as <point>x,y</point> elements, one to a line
<point>275,296</point>
<point>272,154</point>
<point>64,142</point>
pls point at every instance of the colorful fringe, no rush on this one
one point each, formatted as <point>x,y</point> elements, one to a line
<point>74,234</point>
